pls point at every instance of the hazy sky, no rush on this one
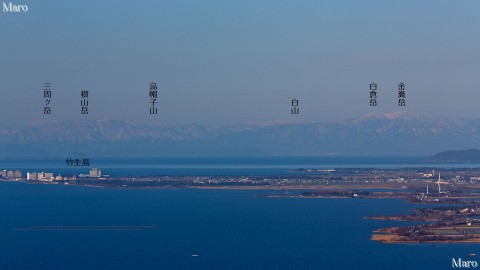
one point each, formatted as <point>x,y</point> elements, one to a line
<point>231,62</point>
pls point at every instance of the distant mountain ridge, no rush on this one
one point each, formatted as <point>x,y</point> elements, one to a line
<point>394,134</point>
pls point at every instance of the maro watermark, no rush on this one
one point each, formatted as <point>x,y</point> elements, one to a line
<point>460,263</point>
<point>14,8</point>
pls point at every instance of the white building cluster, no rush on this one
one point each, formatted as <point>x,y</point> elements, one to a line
<point>33,176</point>
<point>12,175</point>
<point>41,176</point>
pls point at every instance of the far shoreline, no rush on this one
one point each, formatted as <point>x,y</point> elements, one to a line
<point>227,187</point>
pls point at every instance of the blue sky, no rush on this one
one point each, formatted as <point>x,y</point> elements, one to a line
<point>231,62</point>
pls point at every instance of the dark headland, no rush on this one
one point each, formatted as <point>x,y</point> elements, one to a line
<point>470,155</point>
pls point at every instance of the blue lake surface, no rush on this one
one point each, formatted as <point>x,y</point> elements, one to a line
<point>227,229</point>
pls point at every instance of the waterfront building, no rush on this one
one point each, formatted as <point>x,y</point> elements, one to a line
<point>94,172</point>
<point>4,174</point>
<point>31,176</point>
<point>18,174</point>
<point>43,176</point>
<point>10,174</point>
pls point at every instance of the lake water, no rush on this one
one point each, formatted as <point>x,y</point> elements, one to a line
<point>227,229</point>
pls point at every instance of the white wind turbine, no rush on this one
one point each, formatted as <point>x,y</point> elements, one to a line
<point>440,182</point>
